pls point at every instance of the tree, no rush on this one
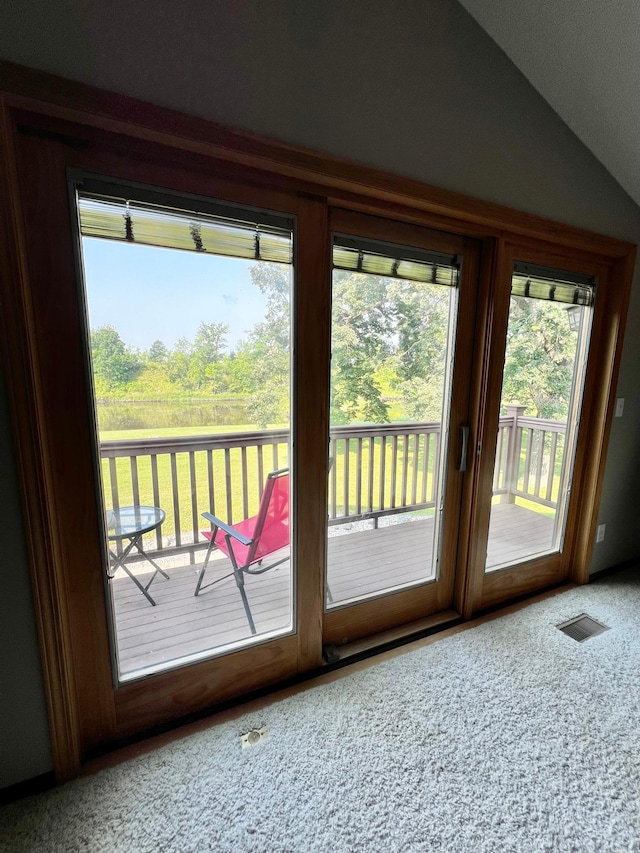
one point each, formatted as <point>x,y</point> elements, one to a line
<point>362,331</point>
<point>264,360</point>
<point>422,312</point>
<point>178,363</point>
<point>210,341</point>
<point>274,280</point>
<point>538,371</point>
<point>157,352</point>
<point>385,332</point>
<point>208,348</point>
<point>113,362</point>
<point>390,339</point>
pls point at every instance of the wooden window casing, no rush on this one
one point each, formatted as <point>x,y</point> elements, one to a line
<point>51,125</point>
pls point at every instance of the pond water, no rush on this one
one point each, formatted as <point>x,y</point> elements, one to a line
<point>122,415</point>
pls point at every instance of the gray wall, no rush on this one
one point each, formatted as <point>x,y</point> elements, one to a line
<point>413,87</point>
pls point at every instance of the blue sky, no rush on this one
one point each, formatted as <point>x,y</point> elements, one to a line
<point>149,293</point>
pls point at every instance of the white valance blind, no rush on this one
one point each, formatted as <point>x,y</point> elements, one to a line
<point>552,285</point>
<point>264,237</point>
<point>392,261</point>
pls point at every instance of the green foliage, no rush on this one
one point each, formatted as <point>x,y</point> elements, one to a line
<point>114,364</point>
<point>207,351</point>
<point>267,353</point>
<point>539,360</point>
<point>274,280</point>
<point>178,363</point>
<point>362,328</point>
<point>389,349</point>
<point>423,328</point>
<point>423,317</point>
<point>389,338</point>
<point>157,352</point>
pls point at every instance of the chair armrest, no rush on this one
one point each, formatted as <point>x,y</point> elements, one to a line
<point>243,540</point>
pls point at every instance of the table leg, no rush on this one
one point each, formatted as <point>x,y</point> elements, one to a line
<point>119,563</point>
<point>149,560</point>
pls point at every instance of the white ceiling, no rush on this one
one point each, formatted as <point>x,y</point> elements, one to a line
<point>583,57</point>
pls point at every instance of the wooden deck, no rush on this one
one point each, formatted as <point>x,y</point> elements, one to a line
<point>516,533</point>
<point>359,563</point>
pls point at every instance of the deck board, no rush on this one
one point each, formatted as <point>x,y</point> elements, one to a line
<point>359,563</point>
<point>516,533</point>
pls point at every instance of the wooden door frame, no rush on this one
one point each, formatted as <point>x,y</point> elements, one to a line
<point>376,614</point>
<point>103,714</point>
<point>572,564</point>
<point>44,106</point>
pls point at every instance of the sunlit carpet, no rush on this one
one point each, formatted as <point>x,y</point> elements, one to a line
<point>506,737</point>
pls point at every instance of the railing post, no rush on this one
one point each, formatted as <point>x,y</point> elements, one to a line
<point>513,454</point>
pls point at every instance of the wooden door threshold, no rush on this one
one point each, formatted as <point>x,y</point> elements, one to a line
<point>390,639</point>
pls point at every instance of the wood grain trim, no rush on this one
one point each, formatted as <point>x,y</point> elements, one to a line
<point>614,284</point>
<point>453,562</point>
<point>368,618</point>
<point>581,511</point>
<point>63,414</point>
<point>56,96</point>
<point>474,514</point>
<point>151,702</point>
<point>402,633</point>
<point>524,579</point>
<point>313,325</point>
<point>365,618</point>
<point>387,230</point>
<point>610,356</point>
<point>19,357</point>
<point>411,215</point>
<point>595,422</point>
<point>490,351</point>
<point>86,712</point>
<point>285,166</point>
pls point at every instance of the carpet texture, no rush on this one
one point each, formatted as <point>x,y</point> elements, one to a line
<point>510,736</point>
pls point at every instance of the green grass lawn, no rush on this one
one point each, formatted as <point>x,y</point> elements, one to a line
<point>170,432</point>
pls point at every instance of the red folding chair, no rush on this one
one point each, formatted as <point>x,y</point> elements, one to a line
<point>250,541</point>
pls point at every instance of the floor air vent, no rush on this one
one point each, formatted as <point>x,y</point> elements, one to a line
<point>582,627</point>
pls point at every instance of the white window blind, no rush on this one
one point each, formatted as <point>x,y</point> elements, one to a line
<point>155,219</point>
<point>393,261</point>
<point>552,285</point>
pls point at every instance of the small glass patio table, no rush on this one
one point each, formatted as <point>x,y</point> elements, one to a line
<point>132,522</point>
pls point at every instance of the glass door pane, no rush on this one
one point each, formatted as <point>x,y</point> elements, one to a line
<point>394,312</point>
<point>545,359</point>
<point>188,305</point>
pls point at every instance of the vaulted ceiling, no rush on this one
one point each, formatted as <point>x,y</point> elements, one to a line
<point>583,57</point>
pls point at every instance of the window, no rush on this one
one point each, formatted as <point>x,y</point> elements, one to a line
<point>189,305</point>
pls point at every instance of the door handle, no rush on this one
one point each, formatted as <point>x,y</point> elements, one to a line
<point>464,430</point>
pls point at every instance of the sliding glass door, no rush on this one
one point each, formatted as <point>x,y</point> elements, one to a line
<point>189,306</point>
<point>263,422</point>
<point>543,379</point>
<point>543,371</point>
<point>401,303</point>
